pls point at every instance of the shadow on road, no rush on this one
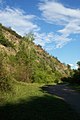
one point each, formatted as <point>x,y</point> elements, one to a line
<point>66,93</point>
<point>38,108</point>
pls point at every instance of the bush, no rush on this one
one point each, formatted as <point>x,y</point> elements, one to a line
<point>5,84</point>
<point>4,78</point>
<point>4,41</point>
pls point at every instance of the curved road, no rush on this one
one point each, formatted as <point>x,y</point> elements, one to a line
<point>67,94</point>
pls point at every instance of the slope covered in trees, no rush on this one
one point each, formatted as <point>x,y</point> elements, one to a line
<point>22,60</point>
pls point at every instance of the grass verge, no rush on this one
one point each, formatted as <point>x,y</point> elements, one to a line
<point>75,87</point>
<point>30,102</point>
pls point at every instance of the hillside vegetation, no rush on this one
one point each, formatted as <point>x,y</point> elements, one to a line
<point>24,69</point>
<point>22,60</point>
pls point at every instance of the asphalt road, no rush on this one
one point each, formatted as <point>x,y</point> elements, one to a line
<point>69,95</point>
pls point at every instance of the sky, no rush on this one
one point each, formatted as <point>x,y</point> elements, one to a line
<point>55,24</point>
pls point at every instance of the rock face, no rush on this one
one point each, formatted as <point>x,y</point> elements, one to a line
<point>24,61</point>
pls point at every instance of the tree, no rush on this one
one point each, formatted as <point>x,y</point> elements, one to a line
<point>29,37</point>
<point>69,67</point>
<point>78,63</point>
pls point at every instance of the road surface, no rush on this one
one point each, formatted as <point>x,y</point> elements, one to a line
<point>66,93</point>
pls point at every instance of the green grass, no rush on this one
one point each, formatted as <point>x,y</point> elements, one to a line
<point>20,91</point>
<point>76,87</point>
<point>30,102</point>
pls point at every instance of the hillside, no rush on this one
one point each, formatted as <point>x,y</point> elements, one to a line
<point>22,60</point>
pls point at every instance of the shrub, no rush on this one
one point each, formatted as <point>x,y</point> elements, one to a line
<point>4,78</point>
<point>5,84</point>
<point>4,41</point>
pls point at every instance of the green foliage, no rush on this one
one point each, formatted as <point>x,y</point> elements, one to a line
<point>29,37</point>
<point>42,77</point>
<point>78,63</point>
<point>5,85</point>
<point>69,67</point>
<point>4,79</point>
<point>30,62</point>
<point>23,62</point>
<point>31,102</point>
<point>4,41</point>
<point>74,78</point>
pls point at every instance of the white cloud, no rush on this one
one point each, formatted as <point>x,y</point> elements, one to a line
<point>72,27</point>
<point>18,20</point>
<point>39,38</point>
<point>43,38</point>
<point>48,39</point>
<point>56,13</point>
<point>74,66</point>
<point>61,40</point>
<point>71,65</point>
